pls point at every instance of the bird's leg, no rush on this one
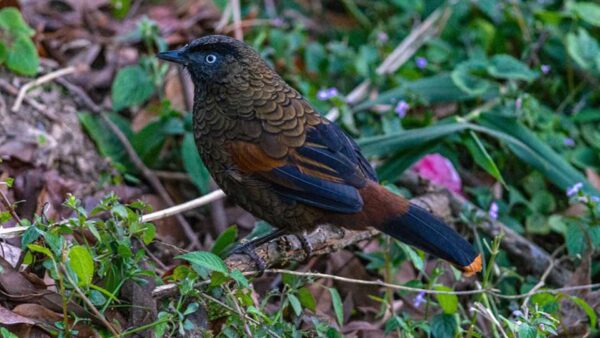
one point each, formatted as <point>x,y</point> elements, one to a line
<point>249,247</point>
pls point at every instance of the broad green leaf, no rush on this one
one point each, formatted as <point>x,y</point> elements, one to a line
<point>395,166</point>
<point>239,277</point>
<point>504,66</point>
<point>206,260</point>
<point>587,11</point>
<point>414,257</point>
<point>589,311</point>
<point>443,326</point>
<point>149,141</point>
<point>468,77</point>
<point>40,249</point>
<point>193,164</point>
<point>307,299</point>
<point>3,52</point>
<point>108,144</point>
<point>295,303</point>
<point>12,21</point>
<point>22,56</point>
<point>4,333</point>
<point>132,86</point>
<point>448,302</point>
<point>584,49</point>
<point>575,239</point>
<point>527,331</point>
<point>336,302</point>
<point>482,157</point>
<point>82,263</point>
<point>225,239</point>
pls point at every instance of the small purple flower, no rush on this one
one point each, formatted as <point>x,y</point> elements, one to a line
<point>277,22</point>
<point>332,92</point>
<point>382,37</point>
<point>574,189</point>
<point>401,108</point>
<point>518,103</point>
<point>595,199</point>
<point>419,299</point>
<point>518,313</point>
<point>493,212</point>
<point>569,142</point>
<point>545,69</point>
<point>421,62</point>
<point>542,327</point>
<point>326,94</point>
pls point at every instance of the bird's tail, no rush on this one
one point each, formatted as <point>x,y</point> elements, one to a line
<point>419,228</point>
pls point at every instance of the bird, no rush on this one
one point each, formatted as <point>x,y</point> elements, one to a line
<point>274,155</point>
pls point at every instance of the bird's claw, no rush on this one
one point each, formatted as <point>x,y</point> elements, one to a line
<point>306,246</point>
<point>248,249</point>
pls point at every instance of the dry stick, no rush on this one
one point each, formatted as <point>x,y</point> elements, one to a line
<point>238,33</point>
<point>404,51</point>
<point>139,164</point>
<point>41,80</point>
<point>9,207</point>
<point>195,203</point>
<point>7,87</point>
<point>542,281</point>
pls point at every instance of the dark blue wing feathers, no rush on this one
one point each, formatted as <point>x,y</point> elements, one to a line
<point>327,173</point>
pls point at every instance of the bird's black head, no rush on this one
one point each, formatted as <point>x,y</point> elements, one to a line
<point>214,58</point>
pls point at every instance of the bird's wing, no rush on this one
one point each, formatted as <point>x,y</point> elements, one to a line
<point>325,171</point>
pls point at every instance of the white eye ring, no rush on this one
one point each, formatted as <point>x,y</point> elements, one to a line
<point>210,58</point>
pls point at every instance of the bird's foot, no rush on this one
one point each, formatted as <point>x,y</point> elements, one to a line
<point>306,246</point>
<point>249,249</point>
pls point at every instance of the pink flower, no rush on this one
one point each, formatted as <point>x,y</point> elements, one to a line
<point>439,170</point>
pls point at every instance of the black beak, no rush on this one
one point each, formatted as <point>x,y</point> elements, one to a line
<point>176,56</point>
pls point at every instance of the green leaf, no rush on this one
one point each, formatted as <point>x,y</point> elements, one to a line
<point>504,66</point>
<point>225,239</point>
<point>239,277</point>
<point>3,52</point>
<point>414,257</point>
<point>149,141</point>
<point>443,326</point>
<point>295,303</point>
<point>482,157</point>
<point>575,239</point>
<point>132,86</point>
<point>586,11</point>
<point>467,77</point>
<point>4,333</point>
<point>193,163</point>
<point>40,249</point>
<point>12,21</point>
<point>338,308</point>
<point>22,56</point>
<point>527,331</point>
<point>395,166</point>
<point>307,299</point>
<point>584,49</point>
<point>82,263</point>
<point>108,144</point>
<point>448,302</point>
<point>207,260</point>
<point>589,311</point>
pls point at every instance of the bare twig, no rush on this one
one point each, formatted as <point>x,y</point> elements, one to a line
<point>542,281</point>
<point>195,203</point>
<point>41,80</point>
<point>238,33</point>
<point>7,87</point>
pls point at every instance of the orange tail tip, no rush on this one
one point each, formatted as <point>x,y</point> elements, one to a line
<point>472,268</point>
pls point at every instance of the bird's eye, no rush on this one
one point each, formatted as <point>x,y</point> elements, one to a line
<point>210,58</point>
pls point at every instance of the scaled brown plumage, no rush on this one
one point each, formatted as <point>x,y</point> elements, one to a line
<point>275,156</point>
